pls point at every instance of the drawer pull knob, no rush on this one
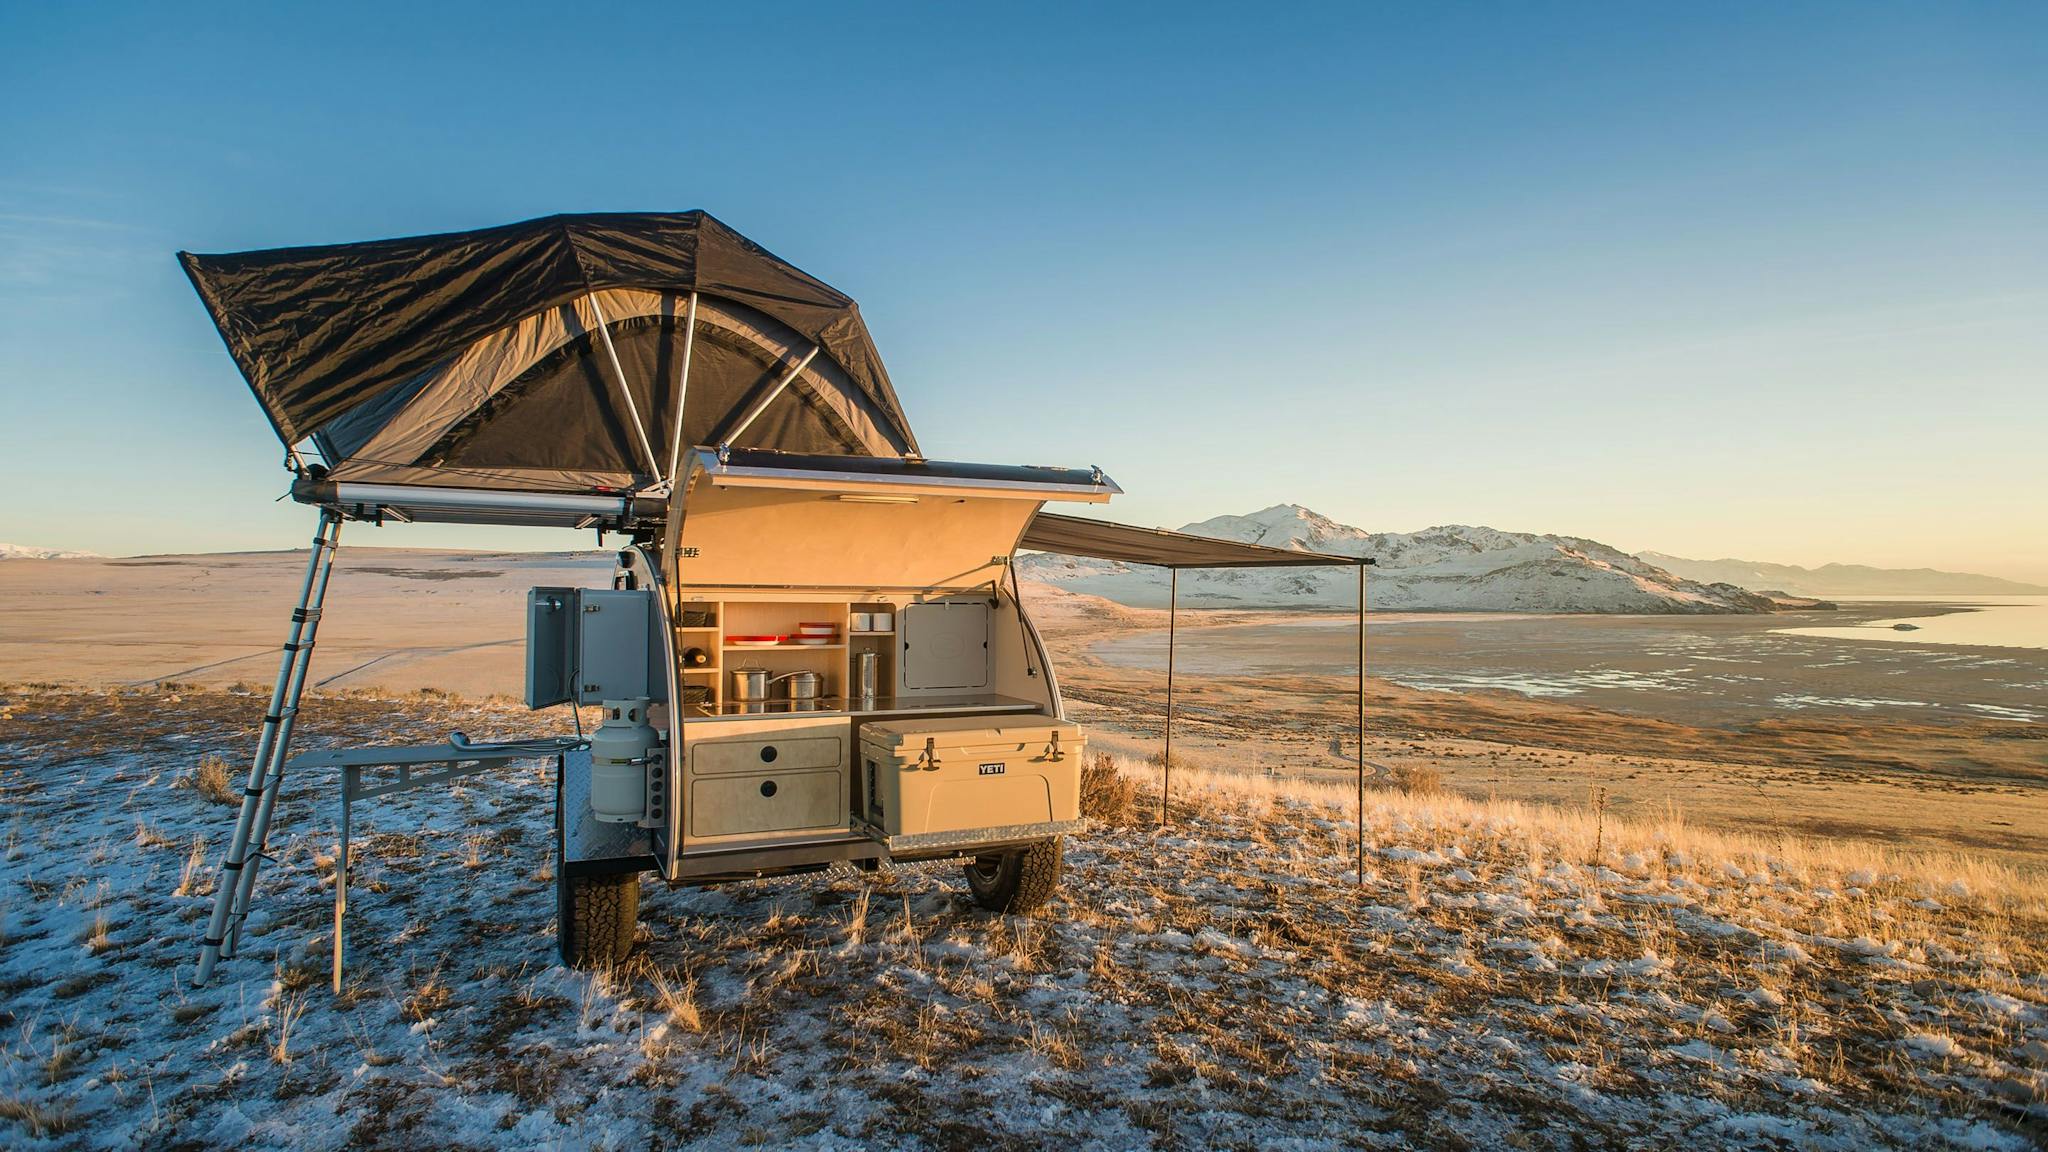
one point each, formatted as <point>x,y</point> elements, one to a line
<point>767,787</point>
<point>768,754</point>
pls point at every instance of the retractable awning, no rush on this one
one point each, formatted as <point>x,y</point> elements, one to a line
<point>1173,551</point>
<point>1104,540</point>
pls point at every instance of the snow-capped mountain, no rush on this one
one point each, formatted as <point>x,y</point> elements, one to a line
<point>1453,567</point>
<point>31,552</point>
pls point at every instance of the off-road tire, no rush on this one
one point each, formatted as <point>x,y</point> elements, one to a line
<point>1017,881</point>
<point>595,917</point>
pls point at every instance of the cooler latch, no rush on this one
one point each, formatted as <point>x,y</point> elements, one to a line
<point>929,758</point>
<point>1054,753</point>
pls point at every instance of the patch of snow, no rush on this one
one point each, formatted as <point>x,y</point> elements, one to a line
<point>1932,1045</point>
<point>34,552</point>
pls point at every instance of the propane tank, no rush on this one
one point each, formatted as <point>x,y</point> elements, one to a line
<point>618,753</point>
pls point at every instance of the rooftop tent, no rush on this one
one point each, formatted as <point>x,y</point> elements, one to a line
<point>549,356</point>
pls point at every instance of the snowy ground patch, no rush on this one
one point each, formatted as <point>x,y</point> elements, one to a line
<point>1225,982</point>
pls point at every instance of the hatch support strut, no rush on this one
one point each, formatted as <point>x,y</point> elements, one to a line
<point>237,880</point>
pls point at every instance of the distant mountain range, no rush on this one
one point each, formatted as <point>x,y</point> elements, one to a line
<point>30,552</point>
<point>1454,567</point>
<point>1841,579</point>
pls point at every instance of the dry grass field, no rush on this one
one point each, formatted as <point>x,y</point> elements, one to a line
<point>1506,975</point>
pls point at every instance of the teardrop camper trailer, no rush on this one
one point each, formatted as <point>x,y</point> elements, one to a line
<point>812,652</point>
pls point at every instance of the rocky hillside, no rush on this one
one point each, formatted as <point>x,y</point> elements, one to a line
<point>1437,569</point>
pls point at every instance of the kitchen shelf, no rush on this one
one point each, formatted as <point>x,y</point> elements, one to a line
<point>711,671</point>
<point>891,632</point>
<point>783,647</point>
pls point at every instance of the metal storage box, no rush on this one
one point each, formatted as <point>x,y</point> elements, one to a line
<point>959,781</point>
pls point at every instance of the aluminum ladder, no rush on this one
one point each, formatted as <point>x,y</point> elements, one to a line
<point>237,876</point>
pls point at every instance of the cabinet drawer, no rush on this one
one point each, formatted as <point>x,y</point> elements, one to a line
<point>758,754</point>
<point>767,802</point>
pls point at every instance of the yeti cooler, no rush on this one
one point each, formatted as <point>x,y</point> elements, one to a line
<point>970,780</point>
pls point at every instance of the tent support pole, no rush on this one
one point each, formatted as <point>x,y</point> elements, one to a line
<point>761,405</point>
<point>1166,759</point>
<point>675,440</point>
<point>1361,724</point>
<point>619,374</point>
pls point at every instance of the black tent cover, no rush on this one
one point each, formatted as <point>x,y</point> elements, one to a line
<point>322,331</point>
<point>1104,540</point>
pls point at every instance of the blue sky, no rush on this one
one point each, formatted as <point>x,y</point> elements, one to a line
<point>1767,281</point>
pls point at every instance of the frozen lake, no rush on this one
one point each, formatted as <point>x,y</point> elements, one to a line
<point>1693,669</point>
<point>1994,622</point>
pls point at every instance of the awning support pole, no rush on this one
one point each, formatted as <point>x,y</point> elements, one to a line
<point>1361,725</point>
<point>675,440</point>
<point>619,374</point>
<point>761,405</point>
<point>1166,760</point>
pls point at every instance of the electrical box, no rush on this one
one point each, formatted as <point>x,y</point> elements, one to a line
<point>945,644</point>
<point>589,645</point>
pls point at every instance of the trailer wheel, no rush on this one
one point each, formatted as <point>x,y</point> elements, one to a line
<point>595,917</point>
<point>1017,881</point>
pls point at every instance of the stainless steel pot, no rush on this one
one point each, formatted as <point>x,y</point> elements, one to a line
<point>749,685</point>
<point>803,687</point>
